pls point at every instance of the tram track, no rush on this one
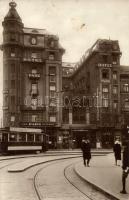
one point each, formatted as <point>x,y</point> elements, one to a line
<point>65,173</point>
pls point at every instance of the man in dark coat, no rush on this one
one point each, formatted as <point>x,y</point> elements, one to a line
<point>117,151</point>
<point>125,166</point>
<point>86,149</point>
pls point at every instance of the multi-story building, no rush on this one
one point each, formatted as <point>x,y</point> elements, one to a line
<point>32,75</point>
<point>98,106</point>
<point>66,100</point>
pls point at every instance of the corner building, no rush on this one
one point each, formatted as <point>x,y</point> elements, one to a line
<point>99,104</point>
<point>32,77</point>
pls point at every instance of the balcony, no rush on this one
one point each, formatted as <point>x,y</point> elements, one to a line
<point>34,75</point>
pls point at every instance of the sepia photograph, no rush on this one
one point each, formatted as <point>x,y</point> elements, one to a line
<point>64,100</point>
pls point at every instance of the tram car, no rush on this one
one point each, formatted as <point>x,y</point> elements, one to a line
<point>22,140</point>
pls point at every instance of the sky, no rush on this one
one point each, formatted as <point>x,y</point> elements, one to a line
<point>78,23</point>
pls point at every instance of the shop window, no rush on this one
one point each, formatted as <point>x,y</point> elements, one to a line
<point>105,74</point>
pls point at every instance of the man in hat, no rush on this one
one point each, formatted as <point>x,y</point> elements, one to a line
<point>125,166</point>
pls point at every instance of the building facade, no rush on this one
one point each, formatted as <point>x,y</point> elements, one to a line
<point>67,101</point>
<point>32,75</point>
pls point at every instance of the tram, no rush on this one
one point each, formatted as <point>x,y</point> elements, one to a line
<point>22,140</point>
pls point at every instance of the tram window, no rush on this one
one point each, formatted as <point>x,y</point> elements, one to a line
<point>0,137</point>
<point>12,137</point>
<point>38,138</point>
<point>5,137</point>
<point>30,137</point>
<point>22,137</point>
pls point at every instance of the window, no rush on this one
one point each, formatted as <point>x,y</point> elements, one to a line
<point>13,68</point>
<point>105,74</point>
<point>30,137</point>
<point>34,102</point>
<point>38,138</point>
<point>12,100</point>
<point>126,87</point>
<point>52,118</point>
<point>115,104</point>
<point>114,59</point>
<point>114,75</point>
<point>105,89</point>
<point>52,94</point>
<point>34,89</point>
<point>51,56</point>
<point>52,70</point>
<point>34,118</point>
<point>34,71</point>
<point>52,87</point>
<point>22,137</point>
<point>126,105</point>
<point>33,55</point>
<point>115,90</point>
<point>12,137</point>
<point>52,79</point>
<point>105,103</point>
<point>105,58</point>
<point>12,84</point>
<point>12,37</point>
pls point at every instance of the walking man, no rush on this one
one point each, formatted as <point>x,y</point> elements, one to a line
<point>125,166</point>
<point>86,149</point>
<point>117,151</point>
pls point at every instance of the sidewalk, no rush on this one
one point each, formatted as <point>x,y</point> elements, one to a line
<point>104,175</point>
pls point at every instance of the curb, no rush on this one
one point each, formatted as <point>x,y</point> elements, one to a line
<point>105,192</point>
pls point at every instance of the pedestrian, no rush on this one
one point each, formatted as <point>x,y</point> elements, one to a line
<point>117,151</point>
<point>125,166</point>
<point>86,150</point>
